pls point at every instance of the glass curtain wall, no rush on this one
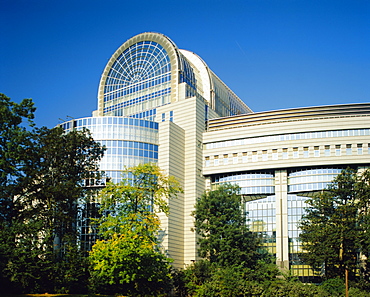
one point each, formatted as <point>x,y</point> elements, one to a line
<point>259,190</point>
<point>129,141</point>
<point>138,81</point>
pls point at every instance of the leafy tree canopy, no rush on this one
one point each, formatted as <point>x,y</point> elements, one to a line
<point>220,222</point>
<point>128,259</point>
<point>335,226</point>
<point>41,178</point>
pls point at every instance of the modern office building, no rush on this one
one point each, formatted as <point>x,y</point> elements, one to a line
<point>279,158</point>
<point>157,103</point>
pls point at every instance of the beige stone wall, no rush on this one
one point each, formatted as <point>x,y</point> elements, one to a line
<point>311,125</point>
<point>171,149</point>
<point>180,152</point>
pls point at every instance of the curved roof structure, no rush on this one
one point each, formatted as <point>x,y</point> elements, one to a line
<point>146,71</point>
<point>292,114</point>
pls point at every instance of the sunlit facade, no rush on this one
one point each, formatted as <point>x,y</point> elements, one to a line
<point>158,103</point>
<point>129,141</point>
<point>279,159</point>
<point>154,100</point>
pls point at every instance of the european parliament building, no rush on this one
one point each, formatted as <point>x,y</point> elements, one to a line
<point>158,103</point>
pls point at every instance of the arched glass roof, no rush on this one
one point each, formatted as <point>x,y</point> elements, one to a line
<point>139,67</point>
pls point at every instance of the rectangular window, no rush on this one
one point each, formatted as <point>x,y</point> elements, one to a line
<point>226,159</point>
<point>359,149</point>
<point>254,156</point>
<point>337,150</point>
<point>368,148</point>
<point>235,158</point>
<point>316,151</point>
<point>264,155</point>
<point>275,154</point>
<point>163,117</point>
<point>295,152</point>
<point>327,150</point>
<point>348,149</point>
<point>306,152</point>
<point>215,160</point>
<point>285,153</point>
<point>245,158</point>
<point>171,116</point>
<point>206,163</point>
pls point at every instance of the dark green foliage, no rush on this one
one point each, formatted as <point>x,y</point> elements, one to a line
<point>14,144</point>
<point>220,223</point>
<point>334,228</point>
<point>230,281</point>
<point>232,265</point>
<point>282,288</point>
<point>197,274</point>
<point>334,286</point>
<point>41,180</point>
<point>206,279</point>
<point>356,292</point>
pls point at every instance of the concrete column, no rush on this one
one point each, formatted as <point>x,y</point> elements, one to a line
<point>282,244</point>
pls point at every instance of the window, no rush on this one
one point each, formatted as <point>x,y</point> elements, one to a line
<point>285,153</point>
<point>163,117</point>
<point>215,161</point>
<point>348,149</point>
<point>254,156</point>
<point>275,154</point>
<point>359,149</point>
<point>264,155</point>
<point>337,150</point>
<point>245,158</point>
<point>327,150</point>
<point>306,152</point>
<point>295,152</point>
<point>226,159</point>
<point>206,163</point>
<point>316,151</point>
<point>235,158</point>
<point>171,116</point>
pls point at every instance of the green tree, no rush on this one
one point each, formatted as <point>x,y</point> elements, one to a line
<point>203,278</point>
<point>43,239</point>
<point>220,222</point>
<point>128,258</point>
<point>41,180</point>
<point>14,142</point>
<point>335,226</point>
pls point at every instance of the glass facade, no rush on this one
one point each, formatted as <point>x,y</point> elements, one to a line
<point>226,102</point>
<point>311,179</point>
<point>296,206</point>
<point>250,183</point>
<point>187,76</point>
<point>139,80</point>
<point>261,208</point>
<point>129,141</point>
<point>87,231</point>
<point>261,218</point>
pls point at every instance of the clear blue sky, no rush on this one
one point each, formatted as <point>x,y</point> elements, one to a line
<point>273,54</point>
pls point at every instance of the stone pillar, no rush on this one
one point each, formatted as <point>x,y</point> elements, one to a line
<point>282,244</point>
